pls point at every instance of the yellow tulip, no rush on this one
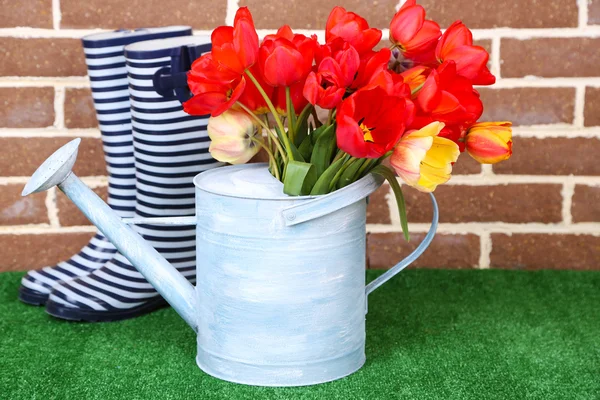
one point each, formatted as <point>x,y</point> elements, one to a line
<point>234,137</point>
<point>423,159</point>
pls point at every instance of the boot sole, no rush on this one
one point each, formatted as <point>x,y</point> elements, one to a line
<point>75,314</point>
<point>31,297</point>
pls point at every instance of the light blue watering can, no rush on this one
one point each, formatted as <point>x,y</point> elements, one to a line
<point>281,297</point>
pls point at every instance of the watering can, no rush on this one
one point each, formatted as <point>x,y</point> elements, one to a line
<point>281,296</point>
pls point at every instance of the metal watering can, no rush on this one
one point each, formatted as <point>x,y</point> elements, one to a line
<point>281,297</point>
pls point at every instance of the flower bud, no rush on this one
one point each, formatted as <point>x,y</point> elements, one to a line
<point>490,142</point>
<point>233,137</point>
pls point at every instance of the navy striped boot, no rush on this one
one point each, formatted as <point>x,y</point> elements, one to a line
<point>170,148</point>
<point>108,79</point>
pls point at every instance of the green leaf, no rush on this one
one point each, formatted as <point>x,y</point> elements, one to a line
<point>388,174</point>
<point>297,155</point>
<point>324,149</point>
<point>301,128</point>
<point>300,177</point>
<point>349,175</point>
<point>306,148</point>
<point>316,134</point>
<point>322,185</point>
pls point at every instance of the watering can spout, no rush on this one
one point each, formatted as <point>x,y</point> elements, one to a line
<point>56,171</point>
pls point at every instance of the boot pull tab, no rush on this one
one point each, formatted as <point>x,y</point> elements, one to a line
<point>171,81</point>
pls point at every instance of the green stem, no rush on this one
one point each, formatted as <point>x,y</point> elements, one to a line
<point>265,127</point>
<point>286,141</point>
<point>290,113</point>
<point>271,157</point>
<point>339,155</point>
<point>337,176</point>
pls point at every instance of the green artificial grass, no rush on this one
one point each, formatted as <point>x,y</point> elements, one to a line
<point>431,334</point>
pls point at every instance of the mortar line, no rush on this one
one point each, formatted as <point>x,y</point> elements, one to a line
<point>579,109</point>
<point>481,228</point>
<point>582,6</point>
<point>567,193</point>
<point>392,206</point>
<point>485,250</point>
<point>59,108</point>
<point>232,6</point>
<point>91,181</point>
<point>496,63</point>
<point>43,229</point>
<point>56,14</point>
<point>52,208</point>
<point>589,31</point>
<point>49,132</point>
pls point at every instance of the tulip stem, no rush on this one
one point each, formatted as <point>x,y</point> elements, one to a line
<point>290,112</point>
<point>271,157</point>
<point>337,176</point>
<point>266,127</point>
<point>286,140</point>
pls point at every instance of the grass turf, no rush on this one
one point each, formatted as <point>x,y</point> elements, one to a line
<point>431,334</point>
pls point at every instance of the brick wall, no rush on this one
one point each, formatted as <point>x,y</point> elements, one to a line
<point>541,209</point>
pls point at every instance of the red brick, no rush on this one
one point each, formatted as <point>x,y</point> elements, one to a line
<point>545,251</point>
<point>550,57</point>
<point>22,156</point>
<point>378,211</point>
<point>312,14</point>
<point>592,106</point>
<point>79,109</point>
<point>593,12</point>
<point>41,57</point>
<point>26,107</point>
<point>31,13</point>
<point>18,210</point>
<point>518,203</point>
<point>24,252</point>
<point>466,165</point>
<point>482,14</point>
<point>586,204</point>
<point>529,106</point>
<point>552,156</point>
<point>384,250</point>
<point>201,14</point>
<point>69,214</point>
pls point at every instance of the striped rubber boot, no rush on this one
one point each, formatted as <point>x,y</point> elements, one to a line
<point>108,79</point>
<point>170,148</point>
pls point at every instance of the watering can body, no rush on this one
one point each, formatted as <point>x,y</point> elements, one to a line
<point>278,303</point>
<point>281,297</point>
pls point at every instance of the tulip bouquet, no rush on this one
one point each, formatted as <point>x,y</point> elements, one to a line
<point>413,102</point>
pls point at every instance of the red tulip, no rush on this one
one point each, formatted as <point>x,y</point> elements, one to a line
<point>370,123</point>
<point>370,66</point>
<point>416,37</point>
<point>352,28</point>
<point>471,61</point>
<point>215,88</point>
<point>236,47</point>
<point>286,58</point>
<point>327,86</point>
<point>448,98</point>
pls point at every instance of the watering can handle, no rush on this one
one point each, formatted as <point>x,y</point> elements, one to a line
<point>389,274</point>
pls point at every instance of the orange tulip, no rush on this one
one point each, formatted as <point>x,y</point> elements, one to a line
<point>490,142</point>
